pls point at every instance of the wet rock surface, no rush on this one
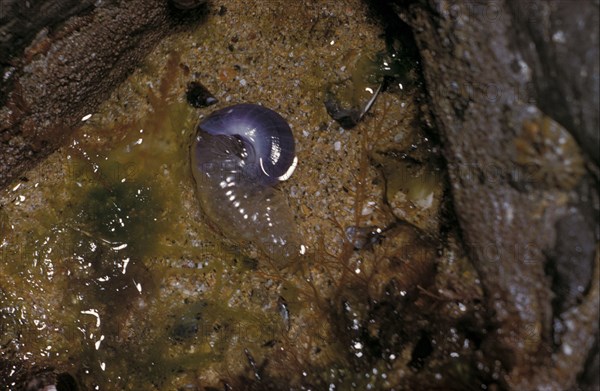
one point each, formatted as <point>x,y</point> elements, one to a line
<point>140,291</point>
<point>68,69</point>
<point>21,21</point>
<point>492,69</point>
<point>563,62</point>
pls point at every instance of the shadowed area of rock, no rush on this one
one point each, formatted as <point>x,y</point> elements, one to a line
<point>514,93</point>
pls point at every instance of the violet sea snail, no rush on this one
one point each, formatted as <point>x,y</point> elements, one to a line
<point>238,154</point>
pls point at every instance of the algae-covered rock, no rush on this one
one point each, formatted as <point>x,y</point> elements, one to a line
<point>475,269</point>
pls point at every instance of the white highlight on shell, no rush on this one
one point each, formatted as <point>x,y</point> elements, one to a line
<point>262,167</point>
<point>251,134</point>
<point>290,170</point>
<point>275,150</point>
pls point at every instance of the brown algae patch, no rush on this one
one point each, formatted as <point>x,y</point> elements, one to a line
<point>140,291</point>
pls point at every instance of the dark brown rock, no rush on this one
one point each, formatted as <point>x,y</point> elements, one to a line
<point>513,90</point>
<point>66,72</point>
<point>560,42</point>
<point>20,21</point>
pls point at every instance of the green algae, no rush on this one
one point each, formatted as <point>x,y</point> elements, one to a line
<point>179,304</point>
<point>125,213</point>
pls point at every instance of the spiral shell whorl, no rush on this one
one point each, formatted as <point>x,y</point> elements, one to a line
<point>266,137</point>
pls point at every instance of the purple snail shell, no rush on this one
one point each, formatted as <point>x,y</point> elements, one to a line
<point>238,154</point>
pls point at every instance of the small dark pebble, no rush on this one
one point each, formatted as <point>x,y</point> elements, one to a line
<point>185,69</point>
<point>198,96</point>
<point>347,118</point>
<point>270,343</point>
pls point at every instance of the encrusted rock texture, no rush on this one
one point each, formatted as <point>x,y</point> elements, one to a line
<point>514,93</point>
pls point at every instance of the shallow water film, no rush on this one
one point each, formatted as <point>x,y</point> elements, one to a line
<point>114,277</point>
